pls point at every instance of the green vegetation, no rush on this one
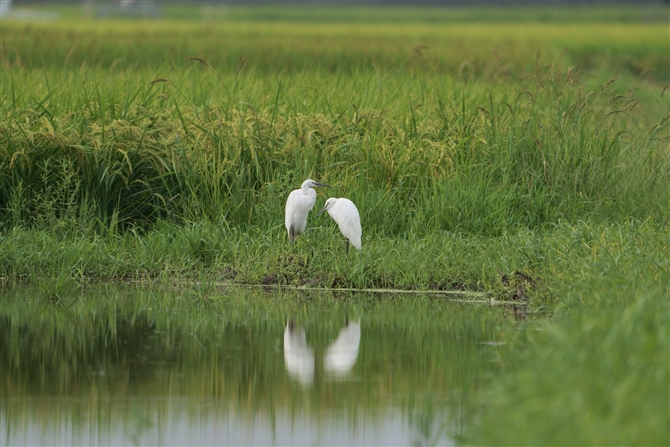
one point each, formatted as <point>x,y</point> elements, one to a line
<point>599,373</point>
<point>435,150</point>
<point>529,163</point>
<point>599,376</point>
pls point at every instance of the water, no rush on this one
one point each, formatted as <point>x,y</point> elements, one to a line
<point>135,366</point>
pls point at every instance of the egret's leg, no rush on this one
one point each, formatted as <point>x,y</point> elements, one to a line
<point>346,242</point>
<point>291,234</point>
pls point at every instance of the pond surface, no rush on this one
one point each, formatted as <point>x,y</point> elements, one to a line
<point>135,366</point>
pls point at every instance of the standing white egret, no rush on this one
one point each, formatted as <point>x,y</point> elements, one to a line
<point>298,205</point>
<point>344,212</point>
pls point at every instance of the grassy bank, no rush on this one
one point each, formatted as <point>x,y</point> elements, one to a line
<point>527,265</point>
<point>191,174</point>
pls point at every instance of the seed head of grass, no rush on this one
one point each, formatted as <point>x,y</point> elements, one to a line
<point>241,64</point>
<point>610,82</point>
<point>198,59</point>
<point>419,49</point>
<point>158,80</point>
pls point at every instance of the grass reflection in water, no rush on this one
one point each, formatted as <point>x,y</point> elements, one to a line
<point>141,366</point>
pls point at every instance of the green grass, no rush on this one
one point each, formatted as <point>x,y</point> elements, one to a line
<point>525,162</point>
<point>598,372</point>
<point>601,377</point>
<point>457,156</point>
<point>472,50</point>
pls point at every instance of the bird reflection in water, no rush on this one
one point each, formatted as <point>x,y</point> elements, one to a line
<point>298,356</point>
<point>342,353</point>
<point>339,359</point>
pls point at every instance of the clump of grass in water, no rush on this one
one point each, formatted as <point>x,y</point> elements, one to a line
<point>53,289</point>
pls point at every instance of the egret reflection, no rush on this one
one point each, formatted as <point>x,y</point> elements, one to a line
<point>340,356</point>
<point>298,356</point>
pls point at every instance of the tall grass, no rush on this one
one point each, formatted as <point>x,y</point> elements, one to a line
<point>453,155</point>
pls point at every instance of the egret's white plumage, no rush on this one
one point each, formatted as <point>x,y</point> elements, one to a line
<point>298,205</point>
<point>344,212</point>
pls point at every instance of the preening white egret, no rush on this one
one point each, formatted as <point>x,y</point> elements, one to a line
<point>344,212</point>
<point>298,205</point>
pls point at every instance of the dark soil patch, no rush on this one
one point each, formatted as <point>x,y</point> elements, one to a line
<point>517,287</point>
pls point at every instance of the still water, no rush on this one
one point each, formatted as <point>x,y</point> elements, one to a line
<point>136,366</point>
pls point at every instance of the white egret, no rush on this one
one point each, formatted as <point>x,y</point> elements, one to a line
<point>298,205</point>
<point>344,212</point>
